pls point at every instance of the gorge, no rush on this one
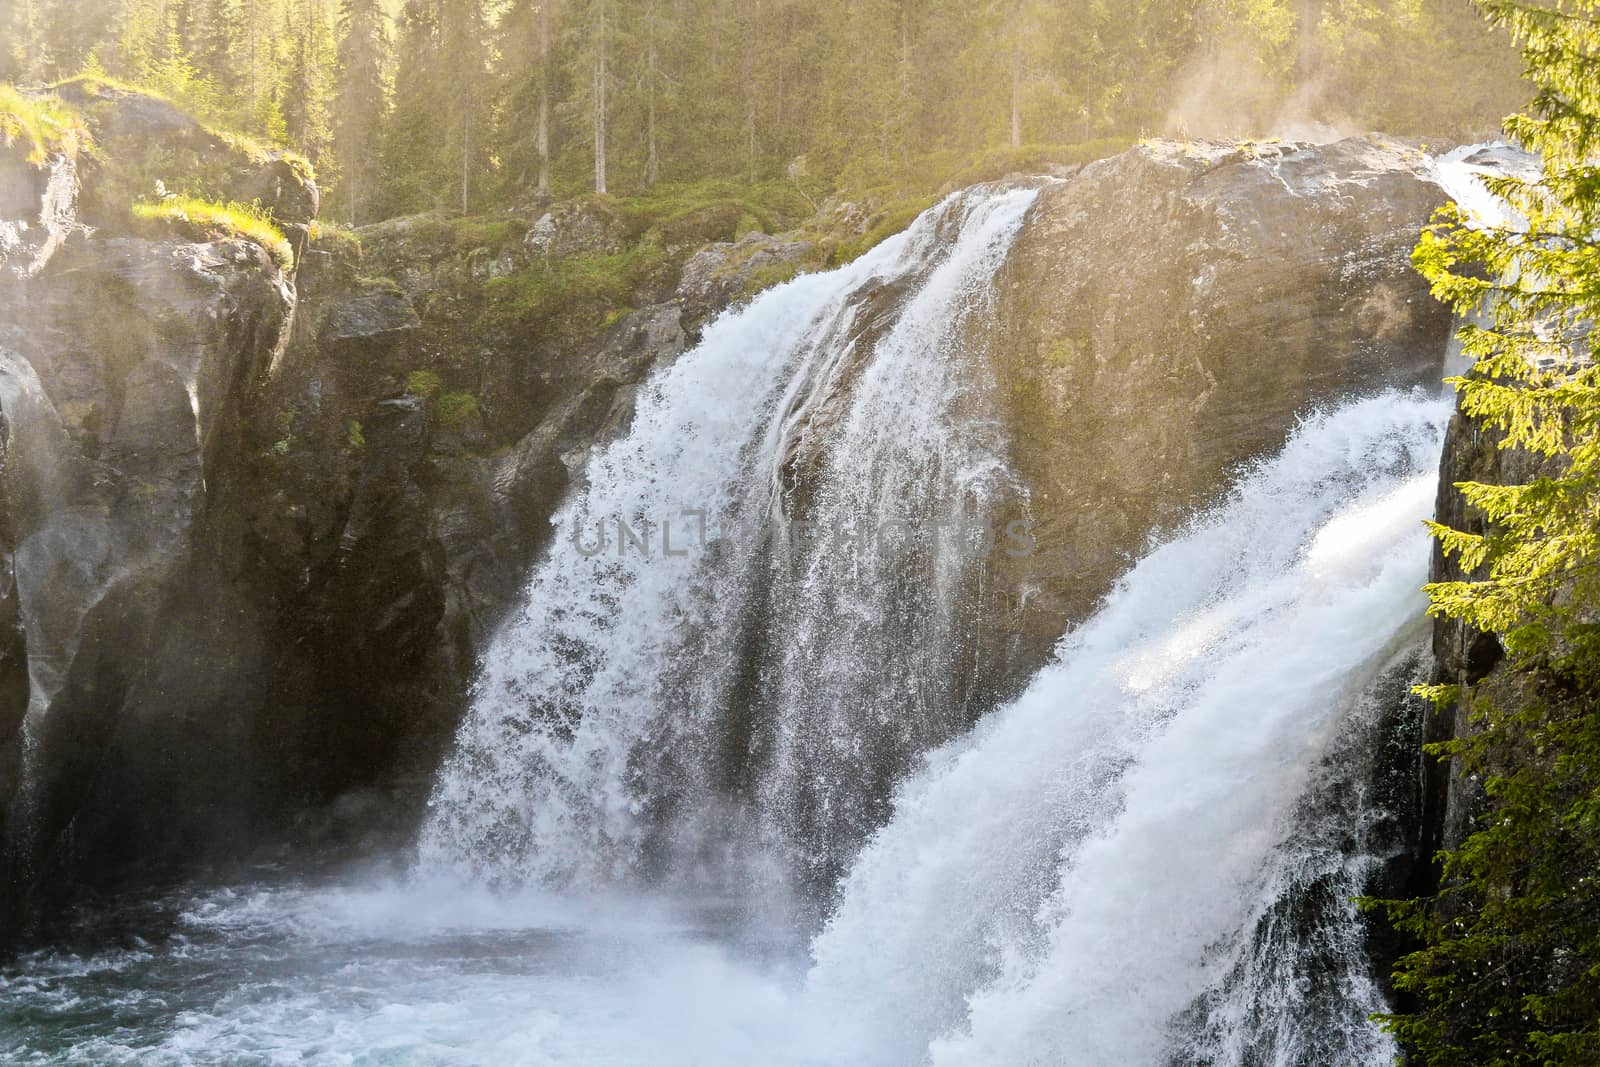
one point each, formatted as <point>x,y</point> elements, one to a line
<point>1030,683</point>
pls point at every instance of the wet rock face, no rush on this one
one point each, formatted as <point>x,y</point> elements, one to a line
<point>125,367</point>
<point>721,274</point>
<point>255,527</point>
<point>38,210</point>
<point>1165,315</point>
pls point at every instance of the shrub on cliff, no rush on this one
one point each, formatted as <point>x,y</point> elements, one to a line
<point>1508,972</point>
<point>42,124</point>
<point>206,219</point>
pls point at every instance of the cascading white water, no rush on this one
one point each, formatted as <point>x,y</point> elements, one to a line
<point>1092,877</point>
<point>1063,884</point>
<point>557,775</point>
<point>1101,867</point>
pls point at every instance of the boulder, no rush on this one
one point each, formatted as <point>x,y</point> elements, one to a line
<point>575,230</point>
<point>722,274</point>
<point>145,144</point>
<point>1167,314</point>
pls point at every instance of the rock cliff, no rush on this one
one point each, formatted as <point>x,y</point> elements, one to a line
<point>1168,314</point>
<point>257,523</point>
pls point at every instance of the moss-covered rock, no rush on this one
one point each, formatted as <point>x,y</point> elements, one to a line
<point>147,147</point>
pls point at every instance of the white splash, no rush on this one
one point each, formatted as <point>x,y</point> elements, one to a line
<point>1051,889</point>
<point>543,786</point>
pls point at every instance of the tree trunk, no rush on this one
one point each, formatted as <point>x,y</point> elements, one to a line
<point>652,156</point>
<point>600,77</point>
<point>544,98</point>
<point>255,99</point>
<point>903,135</point>
<point>748,76</point>
<point>466,150</point>
<point>1016,82</point>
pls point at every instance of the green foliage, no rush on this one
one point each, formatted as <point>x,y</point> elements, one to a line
<point>1508,972</point>
<point>1361,37</point>
<point>283,420</point>
<point>353,435</point>
<point>423,384</point>
<point>380,283</point>
<point>45,123</point>
<point>207,219</point>
<point>408,106</point>
<point>361,103</point>
<point>455,410</point>
<point>584,286</point>
<point>491,233</point>
<point>340,240</point>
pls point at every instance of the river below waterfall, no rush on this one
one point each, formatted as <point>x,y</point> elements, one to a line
<point>414,975</point>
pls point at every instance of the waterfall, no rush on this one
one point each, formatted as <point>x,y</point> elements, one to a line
<point>744,665</point>
<point>763,475</point>
<point>1078,880</point>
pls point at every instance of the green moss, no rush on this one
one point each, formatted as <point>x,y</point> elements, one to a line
<point>455,410</point>
<point>423,384</point>
<point>709,210</point>
<point>615,316</point>
<point>353,435</point>
<point>97,83</point>
<point>339,240</point>
<point>700,225</point>
<point>493,233</point>
<point>547,289</point>
<point>207,218</point>
<point>766,277</point>
<point>258,152</point>
<point>44,123</point>
<point>379,283</point>
<point>747,225</point>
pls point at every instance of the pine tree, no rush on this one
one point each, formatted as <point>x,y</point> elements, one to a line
<point>212,32</point>
<point>361,102</point>
<point>413,137</point>
<point>653,83</point>
<point>523,92</point>
<point>308,79</point>
<point>464,90</point>
<point>593,46</point>
<point>1507,973</point>
<point>22,56</point>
